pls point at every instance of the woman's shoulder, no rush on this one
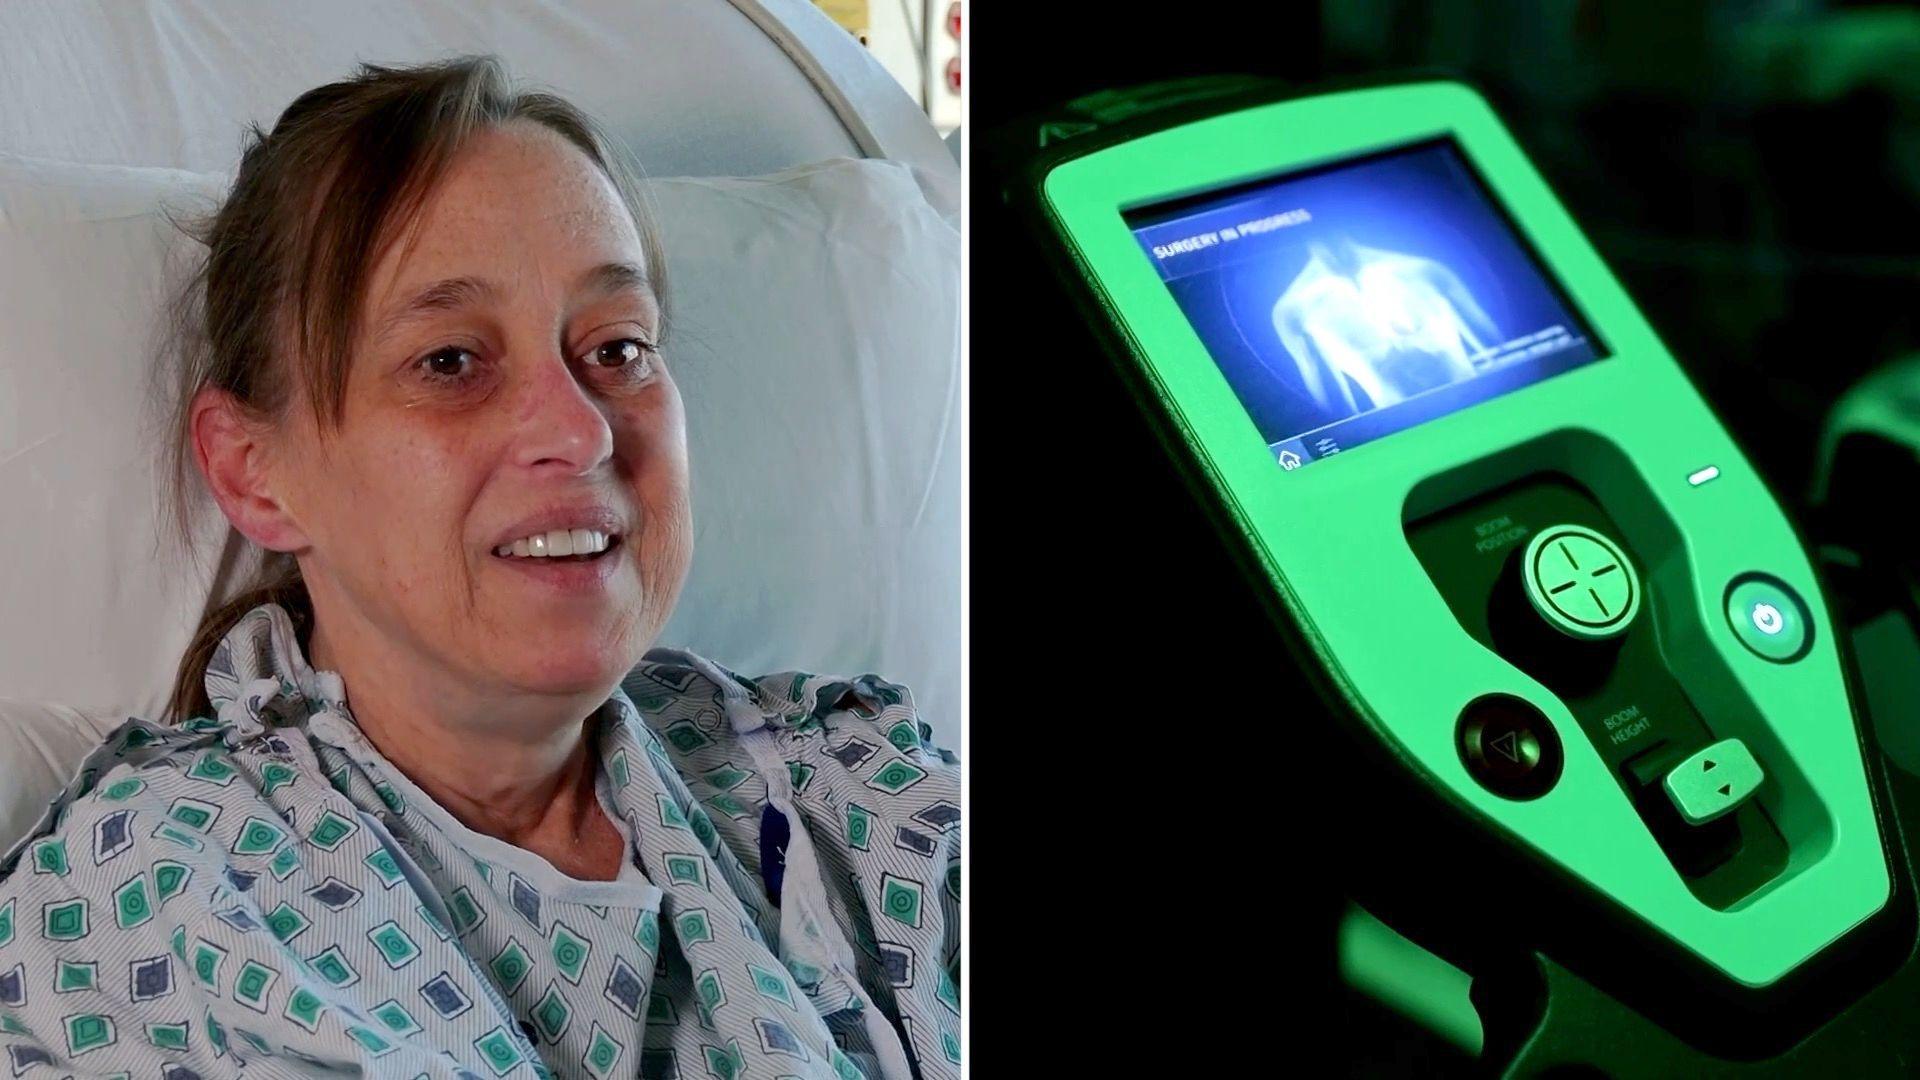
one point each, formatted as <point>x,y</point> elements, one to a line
<point>855,750</point>
<point>685,695</point>
<point>166,790</point>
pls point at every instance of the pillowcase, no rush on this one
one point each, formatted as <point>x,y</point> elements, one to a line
<point>95,613</point>
<point>814,336</point>
<point>40,747</point>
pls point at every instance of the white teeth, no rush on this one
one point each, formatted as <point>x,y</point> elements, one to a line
<point>558,542</point>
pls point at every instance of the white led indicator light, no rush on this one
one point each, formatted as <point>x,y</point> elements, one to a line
<point>1767,619</point>
<point>1703,475</point>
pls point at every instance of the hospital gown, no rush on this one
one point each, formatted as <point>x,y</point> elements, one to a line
<point>260,893</point>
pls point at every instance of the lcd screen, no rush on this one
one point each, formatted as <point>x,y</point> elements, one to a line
<point>1359,299</point>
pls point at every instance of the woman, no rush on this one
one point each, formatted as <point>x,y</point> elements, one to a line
<point>421,371</point>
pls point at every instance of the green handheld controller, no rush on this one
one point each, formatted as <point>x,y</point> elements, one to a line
<point>1495,512</point>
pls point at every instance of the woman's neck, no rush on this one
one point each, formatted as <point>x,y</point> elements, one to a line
<point>532,785</point>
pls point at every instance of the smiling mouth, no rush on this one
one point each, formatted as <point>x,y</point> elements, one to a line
<point>542,550</point>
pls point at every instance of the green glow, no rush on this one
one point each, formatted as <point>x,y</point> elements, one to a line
<point>1401,975</point>
<point>1630,428</point>
<point>1579,582</point>
<point>1713,781</point>
<point>1884,404</point>
<point>1768,619</point>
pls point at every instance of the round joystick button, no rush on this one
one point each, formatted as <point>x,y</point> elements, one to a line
<point>1509,746</point>
<point>1580,582</point>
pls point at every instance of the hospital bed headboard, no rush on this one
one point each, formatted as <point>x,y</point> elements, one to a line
<point>696,87</point>
<point>104,101</point>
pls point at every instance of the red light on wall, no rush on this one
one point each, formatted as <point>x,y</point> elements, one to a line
<point>953,20</point>
<point>953,74</point>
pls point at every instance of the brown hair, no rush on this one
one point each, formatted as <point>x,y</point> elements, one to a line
<point>316,203</point>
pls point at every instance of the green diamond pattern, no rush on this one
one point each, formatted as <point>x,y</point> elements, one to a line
<point>170,879</point>
<point>396,948</point>
<point>258,837</point>
<point>551,1015</point>
<point>88,1032</point>
<point>286,922</point>
<point>167,1036</point>
<point>50,857</point>
<point>252,983</point>
<point>570,952</point>
<point>900,899</point>
<point>497,1049</point>
<point>330,831</point>
<point>65,922</point>
<point>131,907</point>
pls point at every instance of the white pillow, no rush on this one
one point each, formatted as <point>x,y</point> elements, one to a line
<point>89,614</point>
<point>816,341</point>
<point>40,747</point>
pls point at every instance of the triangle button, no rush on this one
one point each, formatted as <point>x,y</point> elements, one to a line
<point>1509,746</point>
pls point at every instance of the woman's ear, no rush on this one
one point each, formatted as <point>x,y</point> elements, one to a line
<point>231,449</point>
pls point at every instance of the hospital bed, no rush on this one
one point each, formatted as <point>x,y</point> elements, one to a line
<point>788,166</point>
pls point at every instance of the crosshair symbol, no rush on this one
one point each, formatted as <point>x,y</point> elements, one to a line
<point>1581,582</point>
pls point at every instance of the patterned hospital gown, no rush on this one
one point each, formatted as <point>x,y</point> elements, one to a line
<point>260,894</point>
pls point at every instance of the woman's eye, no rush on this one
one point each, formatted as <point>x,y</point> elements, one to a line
<point>628,357</point>
<point>447,365</point>
<point>621,353</point>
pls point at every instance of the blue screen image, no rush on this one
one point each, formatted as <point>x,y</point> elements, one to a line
<point>1361,299</point>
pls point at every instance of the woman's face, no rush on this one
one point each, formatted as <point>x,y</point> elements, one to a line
<point>523,399</point>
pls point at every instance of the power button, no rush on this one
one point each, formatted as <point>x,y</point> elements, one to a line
<point>1768,618</point>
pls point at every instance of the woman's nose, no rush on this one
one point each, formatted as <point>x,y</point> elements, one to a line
<point>557,424</point>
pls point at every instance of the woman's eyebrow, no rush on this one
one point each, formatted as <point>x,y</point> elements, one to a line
<point>614,277</point>
<point>454,294</point>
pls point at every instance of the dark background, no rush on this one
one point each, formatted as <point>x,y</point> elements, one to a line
<point>1750,170</point>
